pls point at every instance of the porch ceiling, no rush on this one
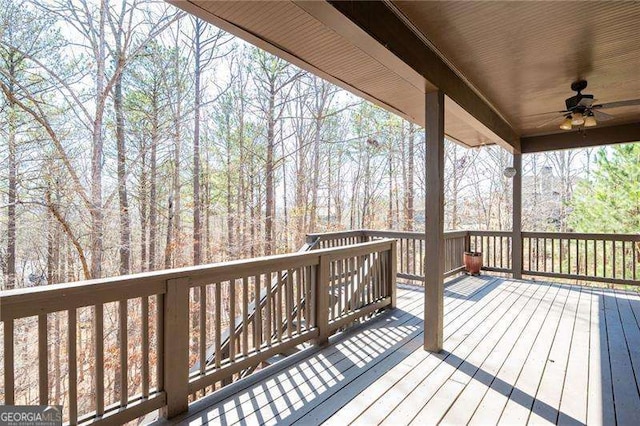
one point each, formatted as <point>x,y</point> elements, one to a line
<point>499,63</point>
<point>523,56</point>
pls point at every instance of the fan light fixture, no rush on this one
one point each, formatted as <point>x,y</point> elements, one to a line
<point>577,119</point>
<point>566,123</point>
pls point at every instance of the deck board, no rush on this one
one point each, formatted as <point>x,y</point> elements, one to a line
<point>523,394</point>
<point>625,393</point>
<point>506,326</point>
<point>515,352</point>
<point>456,351</point>
<point>573,404</point>
<point>485,376</point>
<point>600,408</point>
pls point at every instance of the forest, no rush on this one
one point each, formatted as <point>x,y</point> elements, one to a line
<point>138,138</point>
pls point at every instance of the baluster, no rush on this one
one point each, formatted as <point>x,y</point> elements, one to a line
<point>299,299</point>
<point>595,258</point>
<point>367,283</point>
<point>321,292</point>
<point>421,260</point>
<point>144,313</point>
<point>279,319</point>
<point>561,253</point>
<point>413,259</point>
<point>634,257</point>
<point>124,355</point>
<point>341,294</point>
<point>289,301</point>
<point>577,256</point>
<point>232,320</point>
<point>493,239</point>
<point>98,319</point>
<point>308,301</point>
<point>43,360</point>
<point>267,284</point>
<point>485,249</point>
<point>604,259</point>
<point>245,316</point>
<point>401,254</point>
<point>73,366</point>
<point>361,284</point>
<point>203,327</point>
<point>374,276</point>
<point>350,281</point>
<point>9,387</point>
<point>160,309</point>
<point>257,314</point>
<point>218,324</point>
<point>392,275</point>
<point>586,258</point>
<point>613,243</point>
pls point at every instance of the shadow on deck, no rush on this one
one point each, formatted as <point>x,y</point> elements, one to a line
<point>515,352</point>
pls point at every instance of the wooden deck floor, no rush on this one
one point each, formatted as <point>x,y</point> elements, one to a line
<point>516,352</point>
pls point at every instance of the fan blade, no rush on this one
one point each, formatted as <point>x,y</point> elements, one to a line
<point>629,102</point>
<point>546,123</point>
<point>547,113</point>
<point>601,116</point>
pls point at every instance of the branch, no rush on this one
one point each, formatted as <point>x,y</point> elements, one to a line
<point>67,230</point>
<point>39,117</point>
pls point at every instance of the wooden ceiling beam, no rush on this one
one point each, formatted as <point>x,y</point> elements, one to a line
<point>382,23</point>
<point>595,136</point>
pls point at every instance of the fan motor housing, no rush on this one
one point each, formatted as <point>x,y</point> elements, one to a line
<point>573,102</point>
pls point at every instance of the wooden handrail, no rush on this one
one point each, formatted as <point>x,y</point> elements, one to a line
<point>288,310</point>
<point>583,236</point>
<point>623,253</point>
<point>410,248</point>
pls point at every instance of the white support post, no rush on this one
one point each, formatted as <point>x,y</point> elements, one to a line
<point>434,211</point>
<point>516,236</point>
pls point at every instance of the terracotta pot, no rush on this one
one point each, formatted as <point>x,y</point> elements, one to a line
<point>473,262</point>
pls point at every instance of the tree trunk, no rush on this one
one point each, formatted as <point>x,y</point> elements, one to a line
<point>12,198</point>
<point>410,183</point>
<point>230,214</point>
<point>197,234</point>
<point>269,201</point>
<point>153,195</point>
<point>125,231</point>
<point>143,213</point>
<point>168,246</point>
<point>390,211</point>
<point>97,214</point>
<point>177,141</point>
<point>316,174</point>
<point>252,206</point>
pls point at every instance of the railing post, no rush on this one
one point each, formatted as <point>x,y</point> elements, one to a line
<point>322,300</point>
<point>176,347</point>
<point>393,271</point>
<point>516,236</point>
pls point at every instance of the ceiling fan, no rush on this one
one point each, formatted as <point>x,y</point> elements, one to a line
<point>582,111</point>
